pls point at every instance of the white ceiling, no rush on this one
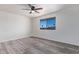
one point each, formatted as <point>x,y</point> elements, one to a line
<point>17,8</point>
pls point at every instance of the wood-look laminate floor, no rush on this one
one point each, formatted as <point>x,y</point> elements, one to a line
<point>36,46</point>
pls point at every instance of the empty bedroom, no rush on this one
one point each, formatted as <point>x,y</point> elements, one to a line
<point>39,28</point>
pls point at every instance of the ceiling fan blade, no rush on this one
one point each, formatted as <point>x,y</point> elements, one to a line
<point>38,8</point>
<point>36,11</point>
<point>30,5</point>
<point>30,12</point>
<point>26,9</point>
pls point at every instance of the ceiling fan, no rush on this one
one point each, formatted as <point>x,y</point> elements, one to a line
<point>33,8</point>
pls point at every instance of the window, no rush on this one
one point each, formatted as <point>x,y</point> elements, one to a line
<point>49,23</point>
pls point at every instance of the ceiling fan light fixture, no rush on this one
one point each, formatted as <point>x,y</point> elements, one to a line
<point>33,9</point>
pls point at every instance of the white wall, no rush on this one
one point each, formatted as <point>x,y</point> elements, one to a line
<point>67,30</point>
<point>13,26</point>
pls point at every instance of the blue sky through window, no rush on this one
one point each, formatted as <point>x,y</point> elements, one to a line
<point>43,23</point>
<point>51,22</point>
<point>48,23</point>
